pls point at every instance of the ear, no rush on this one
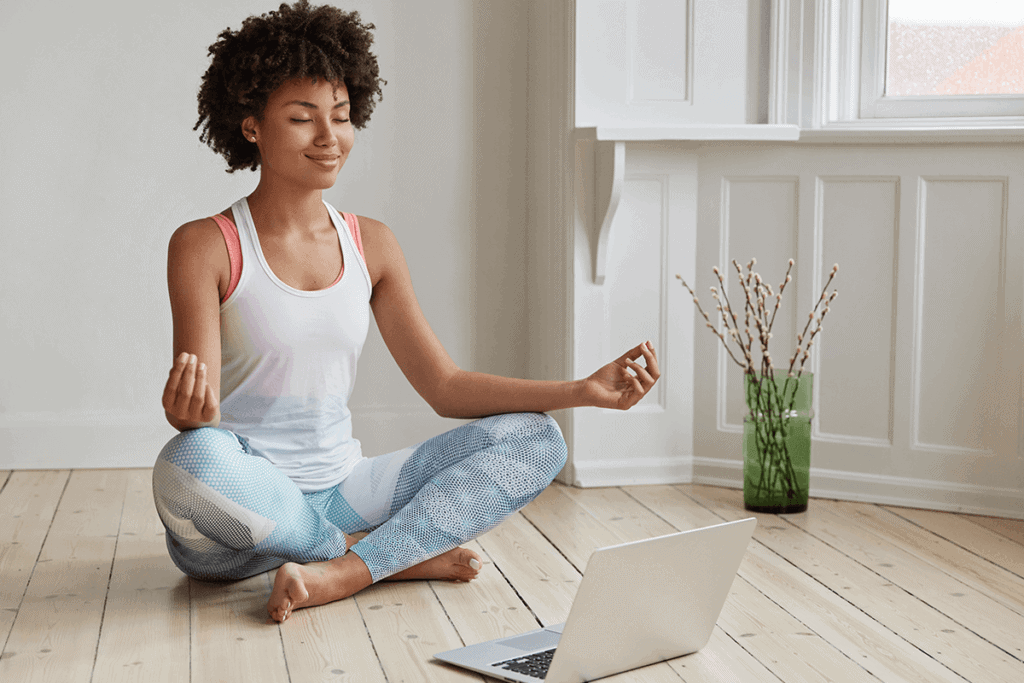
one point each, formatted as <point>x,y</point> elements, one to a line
<point>249,128</point>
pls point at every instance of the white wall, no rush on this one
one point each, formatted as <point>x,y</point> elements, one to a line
<point>99,164</point>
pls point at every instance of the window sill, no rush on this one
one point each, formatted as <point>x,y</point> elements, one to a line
<point>696,132</point>
<point>912,134</point>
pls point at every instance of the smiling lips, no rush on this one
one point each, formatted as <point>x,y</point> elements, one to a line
<point>324,159</point>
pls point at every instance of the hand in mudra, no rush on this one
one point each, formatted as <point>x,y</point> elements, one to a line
<point>187,395</point>
<point>614,386</point>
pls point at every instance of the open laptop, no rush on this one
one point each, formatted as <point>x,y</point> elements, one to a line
<point>638,603</point>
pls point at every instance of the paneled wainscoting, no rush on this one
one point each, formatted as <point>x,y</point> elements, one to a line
<point>917,392</point>
<point>843,592</point>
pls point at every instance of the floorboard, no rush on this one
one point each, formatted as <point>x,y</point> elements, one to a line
<point>984,576</point>
<point>330,644</point>
<point>988,546</point>
<point>485,608</point>
<point>145,633</point>
<point>408,626</point>
<point>27,507</point>
<point>844,592</point>
<point>56,630</point>
<point>541,575</point>
<point>1012,529</point>
<point>233,638</point>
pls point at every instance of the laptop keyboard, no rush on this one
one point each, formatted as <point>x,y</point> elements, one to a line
<point>535,664</point>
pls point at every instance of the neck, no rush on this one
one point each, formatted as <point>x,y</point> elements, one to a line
<point>279,209</point>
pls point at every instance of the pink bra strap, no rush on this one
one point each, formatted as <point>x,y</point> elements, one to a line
<point>353,226</point>
<point>230,232</point>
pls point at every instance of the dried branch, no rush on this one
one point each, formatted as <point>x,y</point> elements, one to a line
<point>708,320</point>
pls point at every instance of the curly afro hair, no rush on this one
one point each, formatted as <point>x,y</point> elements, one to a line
<point>297,40</point>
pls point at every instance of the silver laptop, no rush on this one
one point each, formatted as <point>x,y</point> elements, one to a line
<point>638,603</point>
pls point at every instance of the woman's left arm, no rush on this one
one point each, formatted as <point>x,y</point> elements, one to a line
<point>474,394</point>
<point>453,392</point>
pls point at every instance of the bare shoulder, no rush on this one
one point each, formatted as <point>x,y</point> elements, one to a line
<point>197,234</point>
<point>197,250</point>
<point>380,247</point>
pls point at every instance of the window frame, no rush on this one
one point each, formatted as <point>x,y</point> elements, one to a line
<point>827,73</point>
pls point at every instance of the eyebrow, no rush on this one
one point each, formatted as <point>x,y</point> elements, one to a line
<point>310,105</point>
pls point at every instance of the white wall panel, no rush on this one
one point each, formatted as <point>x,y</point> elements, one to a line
<point>958,312</point>
<point>660,36</point>
<point>662,62</point>
<point>857,226</point>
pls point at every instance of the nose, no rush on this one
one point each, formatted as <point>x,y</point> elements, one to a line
<point>324,135</point>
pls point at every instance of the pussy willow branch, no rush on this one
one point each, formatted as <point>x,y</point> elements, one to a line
<point>725,296</point>
<point>778,297</point>
<point>727,307</point>
<point>802,337</point>
<point>749,307</point>
<point>723,310</point>
<point>708,320</point>
<point>746,315</point>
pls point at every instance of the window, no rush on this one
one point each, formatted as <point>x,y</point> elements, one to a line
<point>942,58</point>
<point>954,48</point>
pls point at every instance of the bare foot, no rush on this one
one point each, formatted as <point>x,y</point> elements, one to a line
<point>317,583</point>
<point>458,564</point>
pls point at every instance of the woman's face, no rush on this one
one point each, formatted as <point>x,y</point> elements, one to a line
<point>305,135</point>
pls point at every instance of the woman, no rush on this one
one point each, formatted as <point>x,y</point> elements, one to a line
<point>267,332</point>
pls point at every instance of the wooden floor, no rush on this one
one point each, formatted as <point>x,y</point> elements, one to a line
<point>843,592</point>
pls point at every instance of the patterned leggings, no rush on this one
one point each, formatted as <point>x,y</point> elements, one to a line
<point>231,514</point>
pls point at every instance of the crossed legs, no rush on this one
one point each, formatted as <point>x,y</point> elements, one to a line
<point>230,514</point>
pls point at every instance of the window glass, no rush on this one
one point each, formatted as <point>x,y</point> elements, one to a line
<point>955,47</point>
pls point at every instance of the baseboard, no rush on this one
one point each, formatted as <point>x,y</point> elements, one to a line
<point>632,471</point>
<point>883,489</point>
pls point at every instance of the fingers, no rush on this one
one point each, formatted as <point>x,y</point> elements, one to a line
<point>648,375</point>
<point>170,397</point>
<point>641,381</point>
<point>188,381</point>
<point>635,381</point>
<point>645,377</point>
<point>651,359</point>
<point>198,394</point>
<point>187,394</point>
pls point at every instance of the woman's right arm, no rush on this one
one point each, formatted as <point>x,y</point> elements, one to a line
<point>197,272</point>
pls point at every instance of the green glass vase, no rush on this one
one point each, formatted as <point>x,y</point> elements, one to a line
<point>777,442</point>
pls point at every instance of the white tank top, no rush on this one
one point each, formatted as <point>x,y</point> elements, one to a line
<point>288,361</point>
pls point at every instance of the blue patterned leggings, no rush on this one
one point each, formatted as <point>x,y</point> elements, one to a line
<point>231,514</point>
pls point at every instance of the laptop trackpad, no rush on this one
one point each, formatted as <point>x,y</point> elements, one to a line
<point>533,641</point>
